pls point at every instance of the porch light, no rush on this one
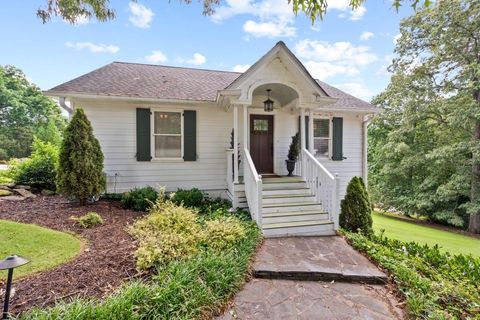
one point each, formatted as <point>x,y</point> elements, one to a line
<point>268,104</point>
<point>10,263</point>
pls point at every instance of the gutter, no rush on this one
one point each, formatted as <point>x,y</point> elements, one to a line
<point>61,102</point>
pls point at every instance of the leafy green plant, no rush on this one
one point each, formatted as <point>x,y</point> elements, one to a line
<point>221,234</point>
<point>356,209</point>
<point>436,285</point>
<point>139,199</point>
<point>294,148</point>
<point>89,220</point>
<point>191,288</point>
<point>80,171</point>
<point>40,169</point>
<point>188,198</point>
<point>168,233</point>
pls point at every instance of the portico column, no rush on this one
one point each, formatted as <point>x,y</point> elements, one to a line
<point>310,131</point>
<point>302,128</point>
<point>235,144</point>
<point>245,127</point>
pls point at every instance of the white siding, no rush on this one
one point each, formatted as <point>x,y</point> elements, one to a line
<point>114,125</point>
<point>352,150</point>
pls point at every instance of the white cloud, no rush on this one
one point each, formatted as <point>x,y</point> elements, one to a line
<point>241,67</point>
<point>198,59</point>
<point>396,38</point>
<point>273,18</point>
<point>325,59</point>
<point>268,29</point>
<point>344,6</point>
<point>323,70</point>
<point>357,14</point>
<point>356,89</point>
<point>366,35</point>
<point>95,48</point>
<point>140,16</point>
<point>157,56</point>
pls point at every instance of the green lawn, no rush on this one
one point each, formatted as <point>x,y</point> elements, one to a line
<point>407,231</point>
<point>44,248</point>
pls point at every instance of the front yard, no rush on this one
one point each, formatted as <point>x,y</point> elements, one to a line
<point>172,263</point>
<point>404,230</point>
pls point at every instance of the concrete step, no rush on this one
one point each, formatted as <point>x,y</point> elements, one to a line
<point>298,228</point>
<point>285,191</point>
<point>291,198</point>
<point>280,217</point>
<point>289,207</point>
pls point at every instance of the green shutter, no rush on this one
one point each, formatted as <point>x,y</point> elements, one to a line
<point>337,139</point>
<point>143,135</point>
<point>189,135</point>
<point>307,138</point>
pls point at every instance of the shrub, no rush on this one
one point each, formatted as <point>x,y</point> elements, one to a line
<point>168,233</point>
<point>80,172</point>
<point>139,199</point>
<point>188,198</point>
<point>89,220</point>
<point>436,285</point>
<point>294,148</point>
<point>40,169</point>
<point>221,234</point>
<point>356,209</point>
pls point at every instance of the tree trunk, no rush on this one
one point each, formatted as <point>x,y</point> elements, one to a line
<point>474,221</point>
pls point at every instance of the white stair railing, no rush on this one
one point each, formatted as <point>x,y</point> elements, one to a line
<point>253,188</point>
<point>323,184</point>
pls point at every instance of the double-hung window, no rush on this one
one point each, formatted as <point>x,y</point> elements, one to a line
<point>321,137</point>
<point>167,134</point>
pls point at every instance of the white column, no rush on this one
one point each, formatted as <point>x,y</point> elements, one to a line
<point>245,127</point>
<point>235,144</point>
<point>310,131</point>
<point>302,128</point>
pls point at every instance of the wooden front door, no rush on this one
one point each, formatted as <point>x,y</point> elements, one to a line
<point>261,142</point>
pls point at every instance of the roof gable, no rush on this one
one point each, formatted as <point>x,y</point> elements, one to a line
<point>279,65</point>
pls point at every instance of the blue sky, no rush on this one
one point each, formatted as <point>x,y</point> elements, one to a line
<point>347,49</point>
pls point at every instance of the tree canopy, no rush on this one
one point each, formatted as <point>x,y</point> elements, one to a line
<point>24,112</point>
<point>425,147</point>
<point>72,10</point>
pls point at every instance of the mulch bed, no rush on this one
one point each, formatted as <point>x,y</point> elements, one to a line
<point>105,263</point>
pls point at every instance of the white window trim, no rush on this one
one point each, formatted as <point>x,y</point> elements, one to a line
<point>152,134</point>
<point>330,133</point>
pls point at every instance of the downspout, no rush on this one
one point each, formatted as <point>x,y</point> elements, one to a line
<point>61,102</point>
<point>366,122</point>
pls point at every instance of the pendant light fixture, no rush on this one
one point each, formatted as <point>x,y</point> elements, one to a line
<point>268,104</point>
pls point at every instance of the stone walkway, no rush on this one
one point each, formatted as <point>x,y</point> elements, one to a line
<point>286,284</point>
<point>314,258</point>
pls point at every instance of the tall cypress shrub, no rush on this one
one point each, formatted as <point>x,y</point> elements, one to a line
<point>80,171</point>
<point>356,208</point>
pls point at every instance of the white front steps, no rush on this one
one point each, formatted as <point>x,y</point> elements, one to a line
<point>290,209</point>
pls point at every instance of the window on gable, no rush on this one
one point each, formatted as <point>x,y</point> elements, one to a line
<point>167,134</point>
<point>321,137</point>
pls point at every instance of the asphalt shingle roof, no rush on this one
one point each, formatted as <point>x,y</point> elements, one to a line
<point>164,82</point>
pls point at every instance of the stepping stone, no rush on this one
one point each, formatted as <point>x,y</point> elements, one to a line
<point>25,193</point>
<point>12,198</point>
<point>4,192</point>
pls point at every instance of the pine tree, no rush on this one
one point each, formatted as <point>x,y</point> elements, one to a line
<point>80,172</point>
<point>356,208</point>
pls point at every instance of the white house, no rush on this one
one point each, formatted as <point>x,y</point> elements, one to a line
<point>170,126</point>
